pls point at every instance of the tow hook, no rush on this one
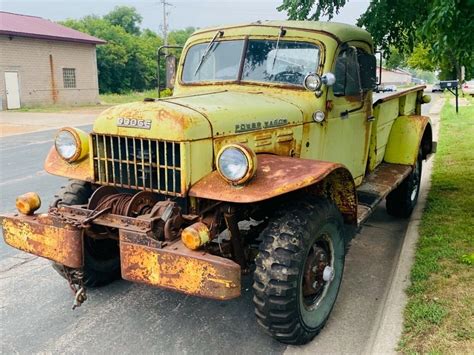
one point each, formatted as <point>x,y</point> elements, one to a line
<point>79,298</point>
<point>75,279</point>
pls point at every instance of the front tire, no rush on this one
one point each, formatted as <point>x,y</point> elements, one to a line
<point>402,201</point>
<point>299,270</point>
<point>101,256</point>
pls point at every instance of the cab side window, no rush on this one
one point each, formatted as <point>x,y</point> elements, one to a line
<point>355,72</point>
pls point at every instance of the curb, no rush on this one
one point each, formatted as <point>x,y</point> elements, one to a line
<point>389,326</point>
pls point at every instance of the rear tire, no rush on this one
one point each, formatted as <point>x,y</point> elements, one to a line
<point>402,201</point>
<point>101,256</point>
<point>299,270</point>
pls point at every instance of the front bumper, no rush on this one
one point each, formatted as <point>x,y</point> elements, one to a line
<point>143,259</point>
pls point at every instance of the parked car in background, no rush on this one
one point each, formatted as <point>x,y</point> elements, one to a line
<point>468,88</point>
<point>385,88</point>
<point>436,88</point>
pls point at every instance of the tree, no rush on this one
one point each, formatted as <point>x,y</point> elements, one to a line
<point>126,17</point>
<point>127,62</point>
<point>396,59</point>
<point>443,26</point>
<point>420,58</point>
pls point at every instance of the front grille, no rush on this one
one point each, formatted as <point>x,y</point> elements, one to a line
<point>137,163</point>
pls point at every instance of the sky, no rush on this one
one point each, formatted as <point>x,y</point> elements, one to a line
<point>182,13</point>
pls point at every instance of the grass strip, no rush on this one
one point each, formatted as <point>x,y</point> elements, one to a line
<point>439,316</point>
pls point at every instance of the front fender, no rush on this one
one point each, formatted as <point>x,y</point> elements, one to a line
<point>405,139</point>
<point>278,175</point>
<point>80,170</point>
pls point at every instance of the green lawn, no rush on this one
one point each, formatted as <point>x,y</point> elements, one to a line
<point>114,99</point>
<point>439,317</point>
<point>106,100</point>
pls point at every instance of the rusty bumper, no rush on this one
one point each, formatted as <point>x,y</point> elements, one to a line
<point>143,259</point>
<point>178,268</point>
<point>44,236</point>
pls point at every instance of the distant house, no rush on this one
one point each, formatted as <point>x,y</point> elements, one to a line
<point>395,76</point>
<point>43,63</point>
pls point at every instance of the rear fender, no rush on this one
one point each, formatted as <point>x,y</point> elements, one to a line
<point>279,175</point>
<point>408,133</point>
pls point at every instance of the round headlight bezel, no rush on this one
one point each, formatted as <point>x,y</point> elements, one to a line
<point>77,140</point>
<point>250,157</point>
<point>312,86</point>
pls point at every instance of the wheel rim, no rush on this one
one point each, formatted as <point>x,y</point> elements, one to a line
<point>318,272</point>
<point>315,307</point>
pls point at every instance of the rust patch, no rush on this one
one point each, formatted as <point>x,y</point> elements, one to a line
<point>399,94</point>
<point>55,165</point>
<point>54,90</point>
<point>44,236</point>
<point>276,175</point>
<point>339,187</point>
<point>178,268</point>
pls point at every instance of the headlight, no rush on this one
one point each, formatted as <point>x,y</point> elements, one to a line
<point>71,144</point>
<point>312,82</point>
<point>236,163</point>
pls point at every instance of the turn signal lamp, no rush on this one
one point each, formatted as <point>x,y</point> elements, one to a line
<point>195,236</point>
<point>28,203</point>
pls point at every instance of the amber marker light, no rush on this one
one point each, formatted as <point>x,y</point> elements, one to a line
<point>28,203</point>
<point>195,236</point>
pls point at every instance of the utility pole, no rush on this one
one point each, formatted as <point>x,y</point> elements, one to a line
<point>165,22</point>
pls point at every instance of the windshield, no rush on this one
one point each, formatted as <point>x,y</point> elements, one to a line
<point>264,61</point>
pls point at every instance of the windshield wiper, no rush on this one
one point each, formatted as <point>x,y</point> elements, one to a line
<point>208,50</point>
<point>282,33</point>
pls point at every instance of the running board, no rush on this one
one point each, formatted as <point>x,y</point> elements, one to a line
<point>376,186</point>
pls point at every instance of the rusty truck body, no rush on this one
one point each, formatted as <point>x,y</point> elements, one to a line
<point>267,157</point>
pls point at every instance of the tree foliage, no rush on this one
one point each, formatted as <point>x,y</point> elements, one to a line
<point>126,17</point>
<point>396,59</point>
<point>127,62</point>
<point>421,58</point>
<point>442,27</point>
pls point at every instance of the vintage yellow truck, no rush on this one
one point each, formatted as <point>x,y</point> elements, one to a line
<point>268,156</point>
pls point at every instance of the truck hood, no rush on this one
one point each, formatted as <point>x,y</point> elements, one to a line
<point>200,116</point>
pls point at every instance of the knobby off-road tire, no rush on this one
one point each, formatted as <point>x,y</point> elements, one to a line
<point>401,201</point>
<point>300,232</point>
<point>101,256</point>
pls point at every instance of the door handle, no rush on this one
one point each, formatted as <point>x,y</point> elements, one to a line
<point>370,118</point>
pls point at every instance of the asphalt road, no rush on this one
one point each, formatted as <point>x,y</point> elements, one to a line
<point>35,303</point>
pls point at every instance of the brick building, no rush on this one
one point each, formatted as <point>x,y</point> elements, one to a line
<point>43,63</point>
<point>395,76</point>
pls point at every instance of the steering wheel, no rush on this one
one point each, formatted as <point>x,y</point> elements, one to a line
<point>290,77</point>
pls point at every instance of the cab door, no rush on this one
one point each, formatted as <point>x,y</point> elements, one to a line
<point>350,118</point>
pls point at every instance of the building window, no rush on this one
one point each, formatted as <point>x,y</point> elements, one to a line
<point>69,78</point>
